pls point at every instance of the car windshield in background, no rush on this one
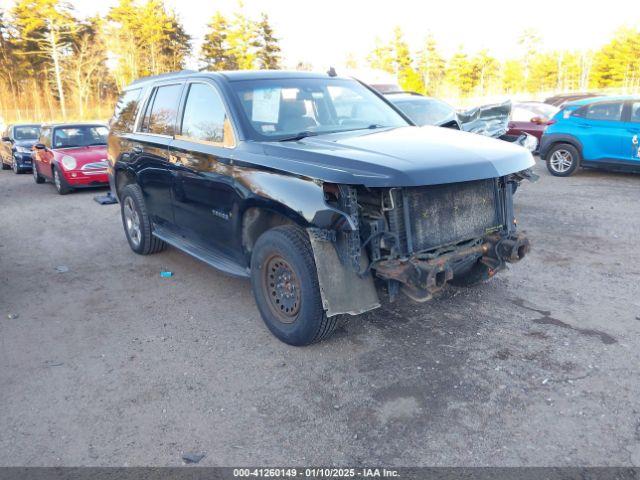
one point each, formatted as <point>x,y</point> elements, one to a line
<point>26,133</point>
<point>424,111</point>
<point>80,136</point>
<point>281,109</point>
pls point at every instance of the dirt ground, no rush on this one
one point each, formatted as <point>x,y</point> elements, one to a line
<point>110,364</point>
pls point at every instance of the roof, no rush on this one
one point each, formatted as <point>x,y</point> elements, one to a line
<point>24,125</point>
<point>232,76</point>
<point>603,98</point>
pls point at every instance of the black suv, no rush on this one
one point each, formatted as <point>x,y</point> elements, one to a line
<point>313,186</point>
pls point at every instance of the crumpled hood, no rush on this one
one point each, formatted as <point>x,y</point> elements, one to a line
<point>489,120</point>
<point>399,157</point>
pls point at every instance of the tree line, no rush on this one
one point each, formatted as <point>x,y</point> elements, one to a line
<point>54,65</point>
<point>614,66</point>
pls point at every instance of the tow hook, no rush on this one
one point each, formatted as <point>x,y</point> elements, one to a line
<point>513,249</point>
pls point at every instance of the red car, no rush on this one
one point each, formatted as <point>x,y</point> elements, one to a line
<point>531,118</point>
<point>71,156</point>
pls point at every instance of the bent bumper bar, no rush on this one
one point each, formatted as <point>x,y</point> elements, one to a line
<point>421,278</point>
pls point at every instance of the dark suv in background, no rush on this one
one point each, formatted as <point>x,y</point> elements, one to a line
<point>313,186</point>
<point>16,147</point>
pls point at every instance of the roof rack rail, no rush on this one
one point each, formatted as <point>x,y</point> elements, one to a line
<point>163,75</point>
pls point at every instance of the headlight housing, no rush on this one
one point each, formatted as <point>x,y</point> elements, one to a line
<point>68,162</point>
<point>530,143</point>
<point>21,149</point>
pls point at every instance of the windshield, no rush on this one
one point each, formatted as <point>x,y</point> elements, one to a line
<point>424,111</point>
<point>79,136</point>
<point>26,133</point>
<point>278,109</point>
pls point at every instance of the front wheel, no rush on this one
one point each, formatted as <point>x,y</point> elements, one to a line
<point>60,183</point>
<point>36,176</point>
<point>4,165</point>
<point>286,289</point>
<point>562,160</point>
<point>16,168</point>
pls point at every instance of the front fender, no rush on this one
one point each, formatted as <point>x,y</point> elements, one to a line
<point>294,196</point>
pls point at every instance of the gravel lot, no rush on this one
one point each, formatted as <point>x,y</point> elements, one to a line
<point>110,364</point>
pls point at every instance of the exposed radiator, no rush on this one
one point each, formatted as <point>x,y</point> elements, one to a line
<point>444,214</point>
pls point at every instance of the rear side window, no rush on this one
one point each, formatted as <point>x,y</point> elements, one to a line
<point>160,116</point>
<point>205,118</point>
<point>604,111</point>
<point>125,113</point>
<point>635,112</point>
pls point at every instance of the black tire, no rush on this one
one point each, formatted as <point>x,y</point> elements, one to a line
<point>36,176</point>
<point>62,187</point>
<point>14,165</point>
<point>131,197</point>
<point>306,322</point>
<point>5,166</point>
<point>477,274</point>
<point>563,159</point>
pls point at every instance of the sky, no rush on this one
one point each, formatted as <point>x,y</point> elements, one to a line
<point>325,32</point>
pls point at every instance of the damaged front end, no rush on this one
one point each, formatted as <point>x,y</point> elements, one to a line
<point>493,121</point>
<point>417,239</point>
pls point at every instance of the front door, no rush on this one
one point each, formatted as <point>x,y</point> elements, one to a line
<point>602,131</point>
<point>204,195</point>
<point>150,150</point>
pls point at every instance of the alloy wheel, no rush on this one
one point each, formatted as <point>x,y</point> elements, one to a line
<point>561,161</point>
<point>282,287</point>
<point>132,221</point>
<point>56,180</point>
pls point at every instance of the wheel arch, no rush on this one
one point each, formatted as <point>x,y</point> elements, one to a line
<point>562,138</point>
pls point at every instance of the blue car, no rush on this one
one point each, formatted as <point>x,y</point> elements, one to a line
<point>599,132</point>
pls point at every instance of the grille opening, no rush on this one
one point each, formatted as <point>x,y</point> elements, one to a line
<point>441,279</point>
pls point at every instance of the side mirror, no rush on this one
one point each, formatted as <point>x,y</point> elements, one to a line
<point>40,146</point>
<point>7,139</point>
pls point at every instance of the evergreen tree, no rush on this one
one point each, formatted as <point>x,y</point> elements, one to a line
<point>268,54</point>
<point>242,40</point>
<point>215,49</point>
<point>431,66</point>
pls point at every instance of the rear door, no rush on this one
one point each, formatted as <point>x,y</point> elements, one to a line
<point>150,149</point>
<point>631,142</point>
<point>601,131</point>
<point>202,152</point>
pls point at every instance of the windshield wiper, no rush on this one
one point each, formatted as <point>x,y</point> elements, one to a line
<point>299,136</point>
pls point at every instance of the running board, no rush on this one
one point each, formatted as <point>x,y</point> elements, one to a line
<point>217,260</point>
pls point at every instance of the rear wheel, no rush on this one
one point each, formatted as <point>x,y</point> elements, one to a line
<point>36,176</point>
<point>286,289</point>
<point>60,183</point>
<point>136,222</point>
<point>562,160</point>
